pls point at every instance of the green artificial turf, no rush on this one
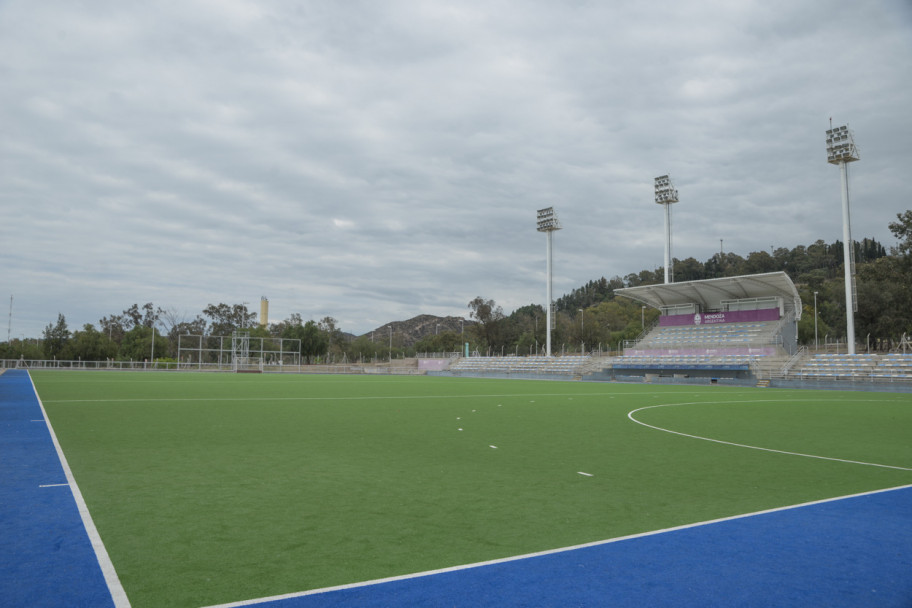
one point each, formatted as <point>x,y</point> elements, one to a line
<point>211,488</point>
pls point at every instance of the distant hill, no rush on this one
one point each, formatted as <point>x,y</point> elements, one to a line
<point>406,333</point>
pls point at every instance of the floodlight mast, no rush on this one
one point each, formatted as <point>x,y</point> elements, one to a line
<point>665,194</point>
<point>841,150</point>
<point>548,223</point>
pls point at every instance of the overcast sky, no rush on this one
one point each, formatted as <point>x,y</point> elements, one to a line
<point>373,161</point>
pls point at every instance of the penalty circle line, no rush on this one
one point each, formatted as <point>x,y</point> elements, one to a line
<point>631,413</point>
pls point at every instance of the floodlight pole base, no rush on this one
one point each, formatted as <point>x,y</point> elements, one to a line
<point>847,257</point>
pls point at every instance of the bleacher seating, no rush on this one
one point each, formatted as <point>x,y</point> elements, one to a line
<point>682,360</point>
<point>894,367</point>
<point>721,334</point>
<point>567,365</point>
<point>711,345</point>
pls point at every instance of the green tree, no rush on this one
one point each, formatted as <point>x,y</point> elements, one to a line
<point>335,341</point>
<point>145,316</point>
<point>137,344</point>
<point>90,345</point>
<point>196,327</point>
<point>613,322</point>
<point>884,294</point>
<point>489,328</point>
<point>527,325</point>
<point>175,324</point>
<point>313,341</point>
<point>278,329</point>
<point>225,319</point>
<point>444,342</point>
<point>21,349</point>
<point>56,338</point>
<point>688,270</point>
<point>364,349</point>
<point>115,327</point>
<point>760,262</point>
<point>902,230</point>
<point>806,324</point>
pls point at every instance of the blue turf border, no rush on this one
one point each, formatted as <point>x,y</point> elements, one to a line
<point>854,552</point>
<point>47,557</point>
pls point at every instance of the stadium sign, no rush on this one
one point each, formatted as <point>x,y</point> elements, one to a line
<point>728,316</point>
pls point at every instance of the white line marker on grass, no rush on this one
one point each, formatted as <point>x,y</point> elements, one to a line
<point>118,595</point>
<point>515,558</point>
<point>631,413</point>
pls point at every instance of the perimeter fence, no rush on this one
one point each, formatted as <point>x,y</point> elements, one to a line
<point>225,366</point>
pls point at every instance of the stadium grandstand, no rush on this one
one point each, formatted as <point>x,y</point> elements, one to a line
<point>715,328</point>
<point>728,328</point>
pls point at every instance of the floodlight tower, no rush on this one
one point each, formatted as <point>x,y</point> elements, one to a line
<point>548,223</point>
<point>666,194</point>
<point>840,151</point>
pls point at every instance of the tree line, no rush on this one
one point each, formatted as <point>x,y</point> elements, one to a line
<point>589,318</point>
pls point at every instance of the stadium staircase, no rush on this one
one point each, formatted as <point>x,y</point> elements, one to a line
<point>768,366</point>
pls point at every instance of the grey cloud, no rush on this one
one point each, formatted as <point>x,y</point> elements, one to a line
<point>376,161</point>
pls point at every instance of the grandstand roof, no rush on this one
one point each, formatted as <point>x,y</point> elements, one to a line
<point>709,293</point>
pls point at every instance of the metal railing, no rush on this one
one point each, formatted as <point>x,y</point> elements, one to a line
<point>798,356</point>
<point>58,364</point>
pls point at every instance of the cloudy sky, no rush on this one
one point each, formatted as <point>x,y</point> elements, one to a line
<point>376,160</point>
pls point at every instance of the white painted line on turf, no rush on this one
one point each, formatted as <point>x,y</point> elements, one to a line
<point>515,558</point>
<point>751,447</point>
<point>302,398</point>
<point>101,553</point>
<point>53,485</point>
<point>260,398</point>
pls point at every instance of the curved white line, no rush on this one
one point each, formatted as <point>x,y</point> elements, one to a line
<point>742,445</point>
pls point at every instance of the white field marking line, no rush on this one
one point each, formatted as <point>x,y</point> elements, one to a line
<point>515,558</point>
<point>751,447</point>
<point>53,485</point>
<point>101,554</point>
<point>354,398</point>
